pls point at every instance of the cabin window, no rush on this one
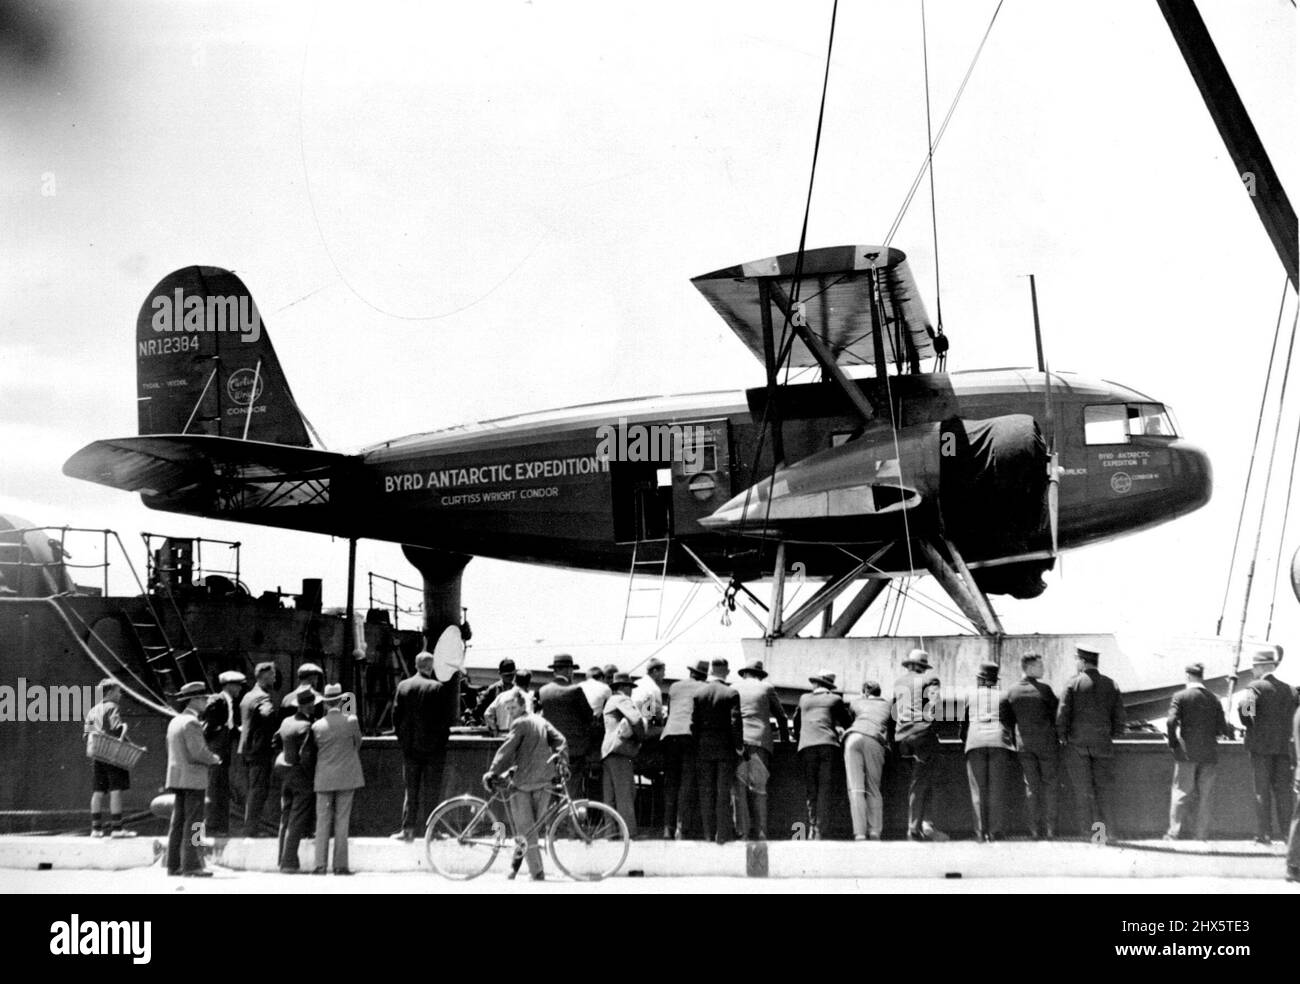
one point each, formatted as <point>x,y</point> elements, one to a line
<point>1115,423</point>
<point>1106,424</point>
<point>699,450</point>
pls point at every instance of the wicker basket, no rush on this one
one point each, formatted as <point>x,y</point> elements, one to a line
<point>113,751</point>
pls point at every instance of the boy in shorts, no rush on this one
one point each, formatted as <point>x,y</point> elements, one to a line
<point>108,778</point>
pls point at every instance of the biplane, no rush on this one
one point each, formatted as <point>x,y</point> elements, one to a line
<point>979,478</point>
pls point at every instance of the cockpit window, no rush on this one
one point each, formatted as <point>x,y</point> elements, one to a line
<point>1150,420</point>
<point>1115,423</point>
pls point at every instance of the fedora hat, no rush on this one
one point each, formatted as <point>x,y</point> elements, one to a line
<point>1263,656</point>
<point>823,678</point>
<point>753,668</point>
<point>195,688</point>
<point>333,693</point>
<point>989,671</point>
<point>699,669</point>
<point>306,697</point>
<point>918,657</point>
<point>621,679</point>
<point>562,660</point>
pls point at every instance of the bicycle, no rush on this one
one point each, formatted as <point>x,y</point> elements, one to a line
<point>587,840</point>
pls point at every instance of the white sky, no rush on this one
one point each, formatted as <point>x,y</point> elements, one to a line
<point>510,199</point>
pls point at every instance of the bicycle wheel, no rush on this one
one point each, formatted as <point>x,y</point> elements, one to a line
<point>588,841</point>
<point>462,838</point>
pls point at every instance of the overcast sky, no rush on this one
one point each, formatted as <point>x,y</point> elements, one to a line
<point>450,212</point>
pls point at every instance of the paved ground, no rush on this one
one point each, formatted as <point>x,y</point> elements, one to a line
<point>227,882</point>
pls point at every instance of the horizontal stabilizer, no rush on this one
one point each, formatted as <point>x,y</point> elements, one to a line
<point>175,465</point>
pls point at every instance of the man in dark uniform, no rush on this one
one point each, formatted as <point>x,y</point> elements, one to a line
<point>564,704</point>
<point>221,723</point>
<point>1194,724</point>
<point>718,731</point>
<point>1266,707</point>
<point>681,795</point>
<point>506,669</point>
<point>1090,715</point>
<point>916,699</point>
<point>1033,708</point>
<point>259,719</point>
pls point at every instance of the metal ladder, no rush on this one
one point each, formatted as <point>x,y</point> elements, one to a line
<point>649,564</point>
<point>162,658</point>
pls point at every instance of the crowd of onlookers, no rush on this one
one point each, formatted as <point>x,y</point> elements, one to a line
<point>706,744</point>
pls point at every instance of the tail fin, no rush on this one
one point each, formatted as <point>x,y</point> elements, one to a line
<point>205,364</point>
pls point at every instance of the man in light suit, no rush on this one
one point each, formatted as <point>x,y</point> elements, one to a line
<point>337,737</point>
<point>565,705</point>
<point>624,731</point>
<point>529,749</point>
<point>680,750</point>
<point>188,758</point>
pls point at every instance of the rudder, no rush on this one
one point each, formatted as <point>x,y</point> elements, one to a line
<point>205,363</point>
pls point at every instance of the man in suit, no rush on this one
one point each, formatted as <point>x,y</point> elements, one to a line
<point>1194,725</point>
<point>716,723</point>
<point>295,766</point>
<point>1033,708</point>
<point>564,704</point>
<point>221,723</point>
<point>680,754</point>
<point>986,730</point>
<point>259,719</point>
<point>188,759</point>
<point>759,706</point>
<point>819,720</point>
<point>529,748</point>
<point>1265,709</point>
<point>420,721</point>
<point>337,737</point>
<point>1090,715</point>
<point>916,700</point>
<point>624,731</point>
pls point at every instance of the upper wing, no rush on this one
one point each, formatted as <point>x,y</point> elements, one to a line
<point>835,289</point>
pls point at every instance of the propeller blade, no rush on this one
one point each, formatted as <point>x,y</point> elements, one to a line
<point>1053,497</point>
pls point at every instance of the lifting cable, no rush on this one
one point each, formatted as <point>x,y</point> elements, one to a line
<point>929,163</point>
<point>1254,450</point>
<point>934,145</point>
<point>793,295</point>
